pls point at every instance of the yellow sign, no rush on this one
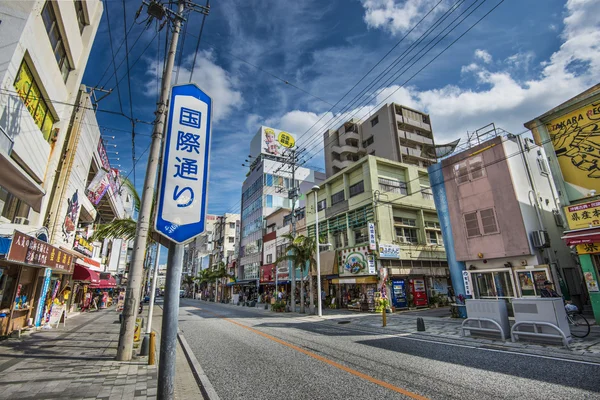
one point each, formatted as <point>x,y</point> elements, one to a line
<point>137,333</point>
<point>584,215</point>
<point>286,140</point>
<point>588,248</point>
<point>576,141</point>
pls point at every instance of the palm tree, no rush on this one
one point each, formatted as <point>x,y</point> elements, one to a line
<point>218,274</point>
<point>300,251</point>
<point>189,281</point>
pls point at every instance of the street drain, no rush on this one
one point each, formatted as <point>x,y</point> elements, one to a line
<point>343,322</point>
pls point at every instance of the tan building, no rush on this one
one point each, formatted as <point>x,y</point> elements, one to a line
<point>394,132</point>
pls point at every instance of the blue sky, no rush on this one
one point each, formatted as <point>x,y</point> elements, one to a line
<point>524,58</point>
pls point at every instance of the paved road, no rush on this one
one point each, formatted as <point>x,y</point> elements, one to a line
<point>254,354</point>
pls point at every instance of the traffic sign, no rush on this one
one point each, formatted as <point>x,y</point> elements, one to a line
<point>181,203</point>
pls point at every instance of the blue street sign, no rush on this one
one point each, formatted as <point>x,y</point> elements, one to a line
<point>181,205</point>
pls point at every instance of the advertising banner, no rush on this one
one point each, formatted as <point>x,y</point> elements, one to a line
<point>272,142</point>
<point>98,187</point>
<point>372,236</point>
<point>356,261</point>
<point>389,251</point>
<point>584,215</point>
<point>42,300</point>
<point>29,250</point>
<point>576,141</point>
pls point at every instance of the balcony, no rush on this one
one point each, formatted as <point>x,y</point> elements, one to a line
<point>337,208</point>
<point>345,149</point>
<point>414,137</point>
<point>351,134</point>
<point>413,122</point>
<point>341,164</point>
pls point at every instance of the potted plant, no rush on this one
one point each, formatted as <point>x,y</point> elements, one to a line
<point>278,306</point>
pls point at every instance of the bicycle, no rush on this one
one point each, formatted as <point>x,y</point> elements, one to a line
<point>579,326</point>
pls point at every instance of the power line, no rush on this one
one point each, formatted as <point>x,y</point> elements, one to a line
<point>112,53</point>
<point>198,42</point>
<point>129,90</point>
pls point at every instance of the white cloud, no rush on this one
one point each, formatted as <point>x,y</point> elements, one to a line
<point>400,16</point>
<point>210,77</point>
<point>503,98</point>
<point>483,56</point>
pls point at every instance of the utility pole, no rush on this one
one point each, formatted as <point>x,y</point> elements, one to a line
<point>293,195</point>
<point>132,295</point>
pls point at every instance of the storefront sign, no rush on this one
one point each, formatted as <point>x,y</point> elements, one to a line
<point>56,314</point>
<point>356,261</point>
<point>372,236</point>
<point>467,282</point>
<point>42,300</point>
<point>588,248</point>
<point>584,215</point>
<point>29,250</point>
<point>576,140</point>
<point>389,251</point>
<point>371,261</point>
<point>83,246</point>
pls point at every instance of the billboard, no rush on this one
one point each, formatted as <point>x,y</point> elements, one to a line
<point>273,142</point>
<point>576,141</point>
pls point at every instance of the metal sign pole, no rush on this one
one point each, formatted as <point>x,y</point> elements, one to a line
<point>170,323</point>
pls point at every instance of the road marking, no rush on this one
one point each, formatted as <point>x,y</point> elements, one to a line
<point>323,359</point>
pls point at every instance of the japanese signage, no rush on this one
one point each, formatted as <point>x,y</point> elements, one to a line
<point>467,282</point>
<point>103,155</point>
<point>184,173</point>
<point>591,283</point>
<point>356,261</point>
<point>42,300</point>
<point>389,251</point>
<point>274,141</point>
<point>29,250</point>
<point>584,215</point>
<point>588,248</point>
<point>372,236</point>
<point>576,141</point>
<point>83,246</point>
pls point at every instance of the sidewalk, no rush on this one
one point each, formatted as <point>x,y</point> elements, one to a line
<point>78,362</point>
<point>448,330</point>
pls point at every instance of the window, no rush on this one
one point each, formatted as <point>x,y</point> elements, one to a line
<point>543,167</point>
<point>321,205</point>
<point>405,221</point>
<point>472,223</point>
<point>390,185</point>
<point>80,15</point>
<point>368,142</point>
<point>493,284</point>
<point>269,258</point>
<point>340,239</point>
<point>337,197</point>
<point>11,207</point>
<point>432,224</point>
<point>374,121</point>
<point>30,93</point>
<point>488,221</point>
<point>269,201</point>
<point>360,236</point>
<point>407,235</point>
<point>426,192</point>
<point>434,237</point>
<point>56,40</point>
<point>232,225</point>
<point>231,239</point>
<point>357,188</point>
<point>470,169</point>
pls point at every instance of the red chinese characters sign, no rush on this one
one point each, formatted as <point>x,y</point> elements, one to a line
<point>29,250</point>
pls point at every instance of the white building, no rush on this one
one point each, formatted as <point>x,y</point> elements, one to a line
<point>226,236</point>
<point>45,48</point>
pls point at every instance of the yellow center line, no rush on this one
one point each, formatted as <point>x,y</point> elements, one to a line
<point>323,359</point>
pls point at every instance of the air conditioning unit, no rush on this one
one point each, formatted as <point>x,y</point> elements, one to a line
<point>402,239</point>
<point>540,239</point>
<point>21,221</point>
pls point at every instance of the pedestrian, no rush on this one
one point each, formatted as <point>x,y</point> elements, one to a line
<point>548,291</point>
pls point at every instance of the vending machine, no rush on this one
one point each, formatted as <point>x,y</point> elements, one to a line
<point>417,289</point>
<point>399,294</point>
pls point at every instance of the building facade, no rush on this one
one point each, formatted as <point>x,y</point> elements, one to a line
<point>570,134</point>
<point>380,219</point>
<point>394,132</point>
<point>501,207</point>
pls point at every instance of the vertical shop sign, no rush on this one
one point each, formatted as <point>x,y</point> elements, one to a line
<point>372,244</point>
<point>42,299</point>
<point>467,281</point>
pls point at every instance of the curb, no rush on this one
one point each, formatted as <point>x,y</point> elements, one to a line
<point>207,389</point>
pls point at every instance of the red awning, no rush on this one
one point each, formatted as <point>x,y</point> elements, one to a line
<point>84,274</point>
<point>582,236</point>
<point>109,283</point>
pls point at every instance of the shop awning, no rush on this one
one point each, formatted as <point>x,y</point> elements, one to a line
<point>20,184</point>
<point>84,274</point>
<point>245,282</point>
<point>272,283</point>
<point>88,263</point>
<point>109,283</point>
<point>582,236</point>
<point>328,264</point>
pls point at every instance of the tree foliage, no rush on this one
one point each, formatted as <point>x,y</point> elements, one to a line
<point>300,250</point>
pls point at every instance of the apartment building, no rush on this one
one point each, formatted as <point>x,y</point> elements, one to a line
<point>379,217</point>
<point>198,254</point>
<point>394,132</point>
<point>226,236</point>
<point>501,221</point>
<point>45,49</point>
<point>266,189</point>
